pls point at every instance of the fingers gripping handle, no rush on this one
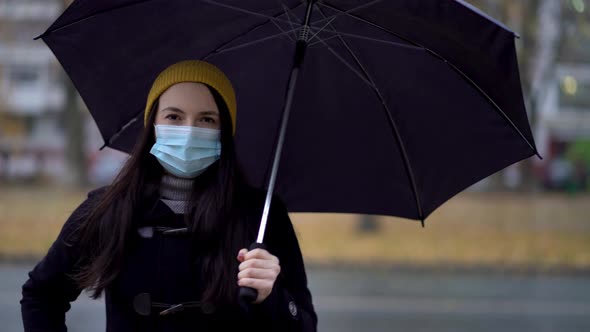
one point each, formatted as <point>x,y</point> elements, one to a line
<point>249,294</point>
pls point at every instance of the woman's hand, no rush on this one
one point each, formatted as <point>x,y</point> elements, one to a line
<point>259,270</point>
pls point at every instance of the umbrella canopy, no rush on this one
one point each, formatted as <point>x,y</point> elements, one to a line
<point>398,106</point>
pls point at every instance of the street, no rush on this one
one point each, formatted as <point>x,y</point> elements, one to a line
<point>379,300</point>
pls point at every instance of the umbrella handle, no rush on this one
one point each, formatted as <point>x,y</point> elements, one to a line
<point>248,295</point>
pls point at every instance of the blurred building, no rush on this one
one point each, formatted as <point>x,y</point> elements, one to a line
<point>31,94</point>
<point>33,97</point>
<point>564,121</point>
<point>564,114</point>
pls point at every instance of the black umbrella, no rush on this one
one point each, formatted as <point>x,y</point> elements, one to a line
<point>393,106</point>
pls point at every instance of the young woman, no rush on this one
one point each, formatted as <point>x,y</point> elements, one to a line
<point>166,240</point>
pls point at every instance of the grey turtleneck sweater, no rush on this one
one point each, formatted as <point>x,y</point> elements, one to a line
<point>175,192</point>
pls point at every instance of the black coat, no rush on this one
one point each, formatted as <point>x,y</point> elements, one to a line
<point>160,266</point>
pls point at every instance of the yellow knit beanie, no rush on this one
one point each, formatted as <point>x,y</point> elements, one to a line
<point>193,71</point>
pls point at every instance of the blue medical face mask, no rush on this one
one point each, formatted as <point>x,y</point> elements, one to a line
<point>186,151</point>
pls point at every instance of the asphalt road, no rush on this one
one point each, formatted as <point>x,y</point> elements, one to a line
<point>376,300</point>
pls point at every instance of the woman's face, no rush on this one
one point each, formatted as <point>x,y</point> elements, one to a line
<point>188,104</point>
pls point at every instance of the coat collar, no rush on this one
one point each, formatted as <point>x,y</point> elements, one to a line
<point>156,210</point>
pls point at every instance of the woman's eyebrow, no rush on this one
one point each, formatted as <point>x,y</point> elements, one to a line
<point>178,110</point>
<point>173,109</point>
<point>209,113</point>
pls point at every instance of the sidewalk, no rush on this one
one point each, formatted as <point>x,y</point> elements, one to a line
<point>504,230</point>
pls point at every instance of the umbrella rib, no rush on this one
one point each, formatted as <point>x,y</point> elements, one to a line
<point>321,29</point>
<point>246,11</point>
<point>216,50</point>
<point>450,64</point>
<point>391,121</point>
<point>91,16</point>
<point>287,12</point>
<point>257,41</point>
<point>349,66</point>
<point>116,135</point>
<point>283,32</point>
<point>322,41</point>
<point>291,23</point>
<point>496,106</point>
<point>339,33</point>
<point>271,18</point>
<point>360,19</point>
<point>346,12</point>
<point>290,13</point>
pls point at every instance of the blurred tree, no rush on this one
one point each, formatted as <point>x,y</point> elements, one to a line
<point>367,224</point>
<point>74,126</point>
<point>579,151</point>
<point>74,137</point>
<point>542,64</point>
<point>579,155</point>
<point>493,7</point>
<point>576,30</point>
<point>547,46</point>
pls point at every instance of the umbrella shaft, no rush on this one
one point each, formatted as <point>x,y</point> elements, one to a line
<point>277,156</point>
<point>299,55</point>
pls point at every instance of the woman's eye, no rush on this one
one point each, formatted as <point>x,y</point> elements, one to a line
<point>173,117</point>
<point>208,120</point>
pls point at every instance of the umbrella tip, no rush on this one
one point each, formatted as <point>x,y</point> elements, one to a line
<point>39,36</point>
<point>422,222</point>
<point>538,155</point>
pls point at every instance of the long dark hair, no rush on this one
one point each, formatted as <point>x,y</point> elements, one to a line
<point>217,233</point>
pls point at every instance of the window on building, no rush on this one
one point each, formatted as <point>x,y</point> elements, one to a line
<point>574,93</point>
<point>20,75</point>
